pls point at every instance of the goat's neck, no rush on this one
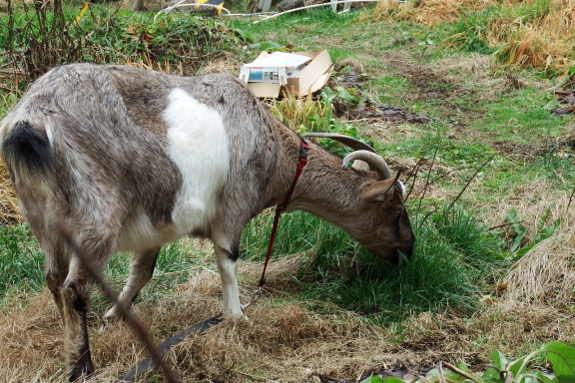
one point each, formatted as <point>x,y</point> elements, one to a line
<point>326,190</point>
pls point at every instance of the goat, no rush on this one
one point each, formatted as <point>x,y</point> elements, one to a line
<point>131,159</point>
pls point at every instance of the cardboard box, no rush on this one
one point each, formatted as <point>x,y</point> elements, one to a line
<point>299,80</point>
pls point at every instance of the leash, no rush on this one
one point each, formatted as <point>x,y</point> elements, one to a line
<point>149,363</point>
<point>304,148</point>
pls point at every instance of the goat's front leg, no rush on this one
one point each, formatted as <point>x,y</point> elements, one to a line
<point>227,257</point>
<point>141,270</point>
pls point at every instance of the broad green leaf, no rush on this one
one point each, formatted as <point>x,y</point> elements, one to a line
<point>542,378</point>
<point>563,359</point>
<point>551,104</point>
<point>548,231</point>
<point>244,36</point>
<point>491,374</point>
<point>521,233</point>
<point>521,252</point>
<point>515,366</point>
<point>346,95</point>
<point>546,215</point>
<point>432,375</point>
<point>499,360</point>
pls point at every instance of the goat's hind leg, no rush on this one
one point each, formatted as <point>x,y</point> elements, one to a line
<point>75,295</point>
<point>141,270</point>
<point>56,270</point>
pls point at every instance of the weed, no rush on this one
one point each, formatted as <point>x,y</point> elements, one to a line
<point>520,245</point>
<point>21,261</point>
<point>501,370</point>
<point>101,36</point>
<point>470,32</point>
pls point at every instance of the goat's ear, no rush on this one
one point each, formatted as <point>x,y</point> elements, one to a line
<point>378,190</point>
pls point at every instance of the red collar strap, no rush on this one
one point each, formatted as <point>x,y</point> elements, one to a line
<point>302,163</point>
<point>280,208</point>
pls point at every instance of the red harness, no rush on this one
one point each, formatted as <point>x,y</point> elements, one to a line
<point>280,208</point>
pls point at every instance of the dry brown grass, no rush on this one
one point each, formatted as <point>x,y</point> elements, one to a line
<point>425,12</point>
<point>9,211</point>
<point>284,341</point>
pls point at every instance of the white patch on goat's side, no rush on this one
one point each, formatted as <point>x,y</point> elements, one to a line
<point>198,144</point>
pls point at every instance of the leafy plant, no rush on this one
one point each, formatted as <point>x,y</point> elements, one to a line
<point>501,370</point>
<point>543,232</point>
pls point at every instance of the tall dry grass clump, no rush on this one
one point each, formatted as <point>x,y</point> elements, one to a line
<point>424,12</point>
<point>534,34</point>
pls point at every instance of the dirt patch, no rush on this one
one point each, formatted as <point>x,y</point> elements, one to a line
<point>429,85</point>
<point>353,104</point>
<point>518,152</point>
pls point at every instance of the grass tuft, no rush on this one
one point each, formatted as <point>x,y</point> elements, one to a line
<point>454,258</point>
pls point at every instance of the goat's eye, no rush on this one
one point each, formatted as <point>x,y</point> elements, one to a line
<point>398,211</point>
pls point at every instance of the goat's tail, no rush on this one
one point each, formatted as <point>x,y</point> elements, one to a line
<point>26,151</point>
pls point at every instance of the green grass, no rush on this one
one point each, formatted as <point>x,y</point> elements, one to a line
<point>454,259</point>
<point>174,265</point>
<point>21,262</point>
<point>520,116</point>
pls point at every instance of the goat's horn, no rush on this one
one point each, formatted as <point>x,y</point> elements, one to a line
<point>347,141</point>
<point>375,162</point>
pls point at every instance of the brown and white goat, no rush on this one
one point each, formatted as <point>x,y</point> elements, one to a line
<point>131,159</point>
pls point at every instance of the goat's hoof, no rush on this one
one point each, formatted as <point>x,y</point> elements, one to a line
<point>236,317</point>
<point>107,320</point>
<point>80,373</point>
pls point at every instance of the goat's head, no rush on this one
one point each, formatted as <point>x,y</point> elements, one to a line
<point>383,207</point>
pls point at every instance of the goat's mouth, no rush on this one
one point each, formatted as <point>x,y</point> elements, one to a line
<point>404,255</point>
<point>397,255</point>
